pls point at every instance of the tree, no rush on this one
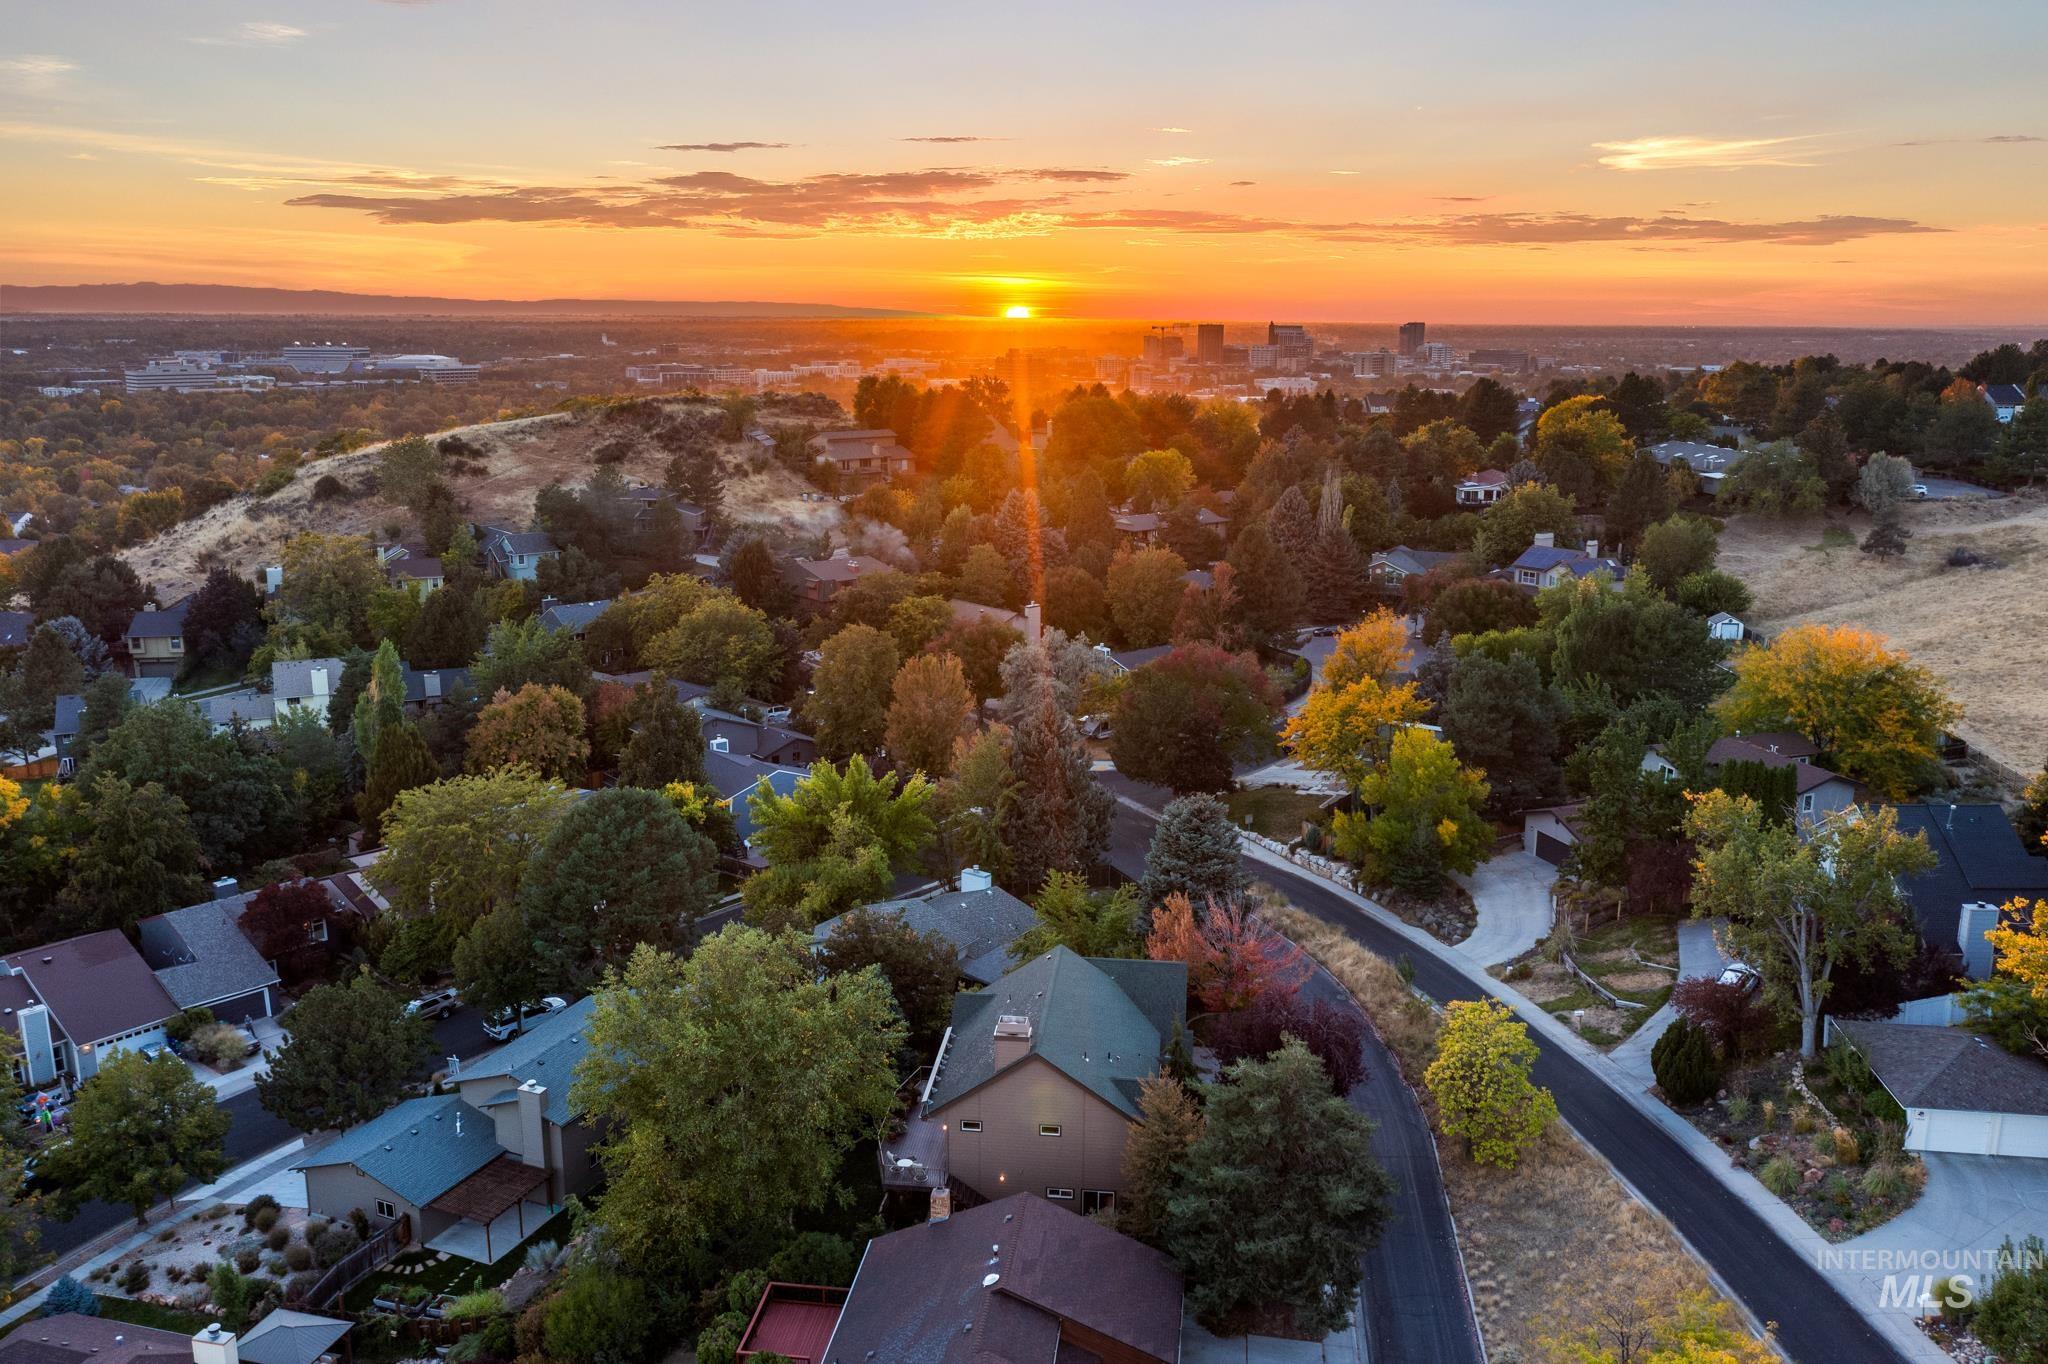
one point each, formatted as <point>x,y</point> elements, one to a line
<point>1886,540</point>
<point>702,1055</point>
<point>756,578</point>
<point>537,727</point>
<point>1092,923</point>
<point>140,1131</point>
<point>286,923</point>
<point>1512,523</point>
<point>1144,594</point>
<point>1683,1061</point>
<point>1581,446</point>
<point>1730,1014</point>
<point>2031,820</point>
<point>2012,1313</point>
<point>620,867</point>
<point>1489,409</point>
<point>1279,1196</point>
<point>1075,602</point>
<point>1330,571</point>
<point>722,642</point>
<point>1778,479</point>
<point>1675,549</point>
<point>139,857</point>
<point>834,841</point>
<point>599,1317</point>
<point>1632,643</point>
<point>1502,720</point>
<point>1646,1313</point>
<point>224,621</point>
<point>381,703</point>
<point>1799,906</point>
<point>1059,817</point>
<point>1158,479</point>
<point>1180,721</point>
<point>63,578</point>
<point>1346,730</point>
<point>915,622</point>
<point>1375,647</point>
<point>519,653</point>
<point>930,709</point>
<point>1155,1156</point>
<point>1233,959</point>
<point>1334,1033</point>
<point>406,468</point>
<point>68,1296</point>
<point>923,969</point>
<point>353,1053</point>
<point>1706,594</point>
<point>1876,715</point>
<point>328,583</point>
<point>448,632</point>
<point>402,762</point>
<point>1269,590</point>
<point>1642,498</point>
<point>1194,853</point>
<point>1885,485</point>
<point>668,740</point>
<point>1480,1082</point>
<point>849,702</point>
<point>462,846</point>
<point>1426,819</point>
<point>495,962</point>
<point>233,795</point>
<point>2023,448</point>
<point>1473,606</point>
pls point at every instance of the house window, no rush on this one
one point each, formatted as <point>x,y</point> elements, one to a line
<point>1098,1200</point>
<point>177,645</point>
<point>1525,576</point>
<point>316,931</point>
<point>1060,1193</point>
<point>385,1209</point>
<point>1048,1129</point>
<point>1806,803</point>
<point>970,1124</point>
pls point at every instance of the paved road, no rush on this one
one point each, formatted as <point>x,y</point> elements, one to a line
<point>1414,1305</point>
<point>1772,1279</point>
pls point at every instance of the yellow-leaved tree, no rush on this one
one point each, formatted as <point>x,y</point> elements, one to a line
<point>1348,730</point>
<point>1374,648</point>
<point>1875,714</point>
<point>1480,1081</point>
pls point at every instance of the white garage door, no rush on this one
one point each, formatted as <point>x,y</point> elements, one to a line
<point>1977,1134</point>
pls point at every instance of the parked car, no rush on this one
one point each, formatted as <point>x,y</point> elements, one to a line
<point>1919,490</point>
<point>1742,974</point>
<point>436,1003</point>
<point>250,1046</point>
<point>151,1050</point>
<point>506,1024</point>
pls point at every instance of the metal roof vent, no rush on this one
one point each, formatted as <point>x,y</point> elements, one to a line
<point>989,1280</point>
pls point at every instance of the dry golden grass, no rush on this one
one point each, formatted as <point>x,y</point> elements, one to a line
<point>1984,632</point>
<point>1533,1237</point>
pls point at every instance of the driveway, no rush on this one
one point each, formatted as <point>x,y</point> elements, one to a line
<point>1512,894</point>
<point>1699,956</point>
<point>1948,489</point>
<point>1970,1206</point>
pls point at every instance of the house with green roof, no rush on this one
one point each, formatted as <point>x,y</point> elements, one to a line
<point>1035,1087</point>
<point>478,1170</point>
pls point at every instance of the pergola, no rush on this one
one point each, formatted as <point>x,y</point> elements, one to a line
<point>491,1192</point>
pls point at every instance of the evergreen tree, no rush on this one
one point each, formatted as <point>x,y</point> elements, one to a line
<point>1269,592</point>
<point>1291,525</point>
<point>402,761</point>
<point>224,621</point>
<point>1642,498</point>
<point>352,1055</point>
<point>1194,852</point>
<point>1060,819</point>
<point>1155,1157</point>
<point>620,868</point>
<point>667,743</point>
<point>1501,719</point>
<point>1330,568</point>
<point>1683,1062</point>
<point>381,706</point>
<point>448,632</point>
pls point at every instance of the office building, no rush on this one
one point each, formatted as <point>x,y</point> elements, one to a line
<point>1373,364</point>
<point>1411,337</point>
<point>1292,339</point>
<point>323,357</point>
<point>1436,355</point>
<point>1161,347</point>
<point>1209,343</point>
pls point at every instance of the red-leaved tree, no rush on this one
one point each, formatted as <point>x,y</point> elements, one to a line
<point>1233,960</point>
<point>1336,1034</point>
<point>282,922</point>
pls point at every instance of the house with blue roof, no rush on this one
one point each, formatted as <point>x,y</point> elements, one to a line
<point>1546,564</point>
<point>479,1170</point>
<point>1035,1087</point>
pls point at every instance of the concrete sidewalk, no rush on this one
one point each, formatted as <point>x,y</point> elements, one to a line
<point>1512,894</point>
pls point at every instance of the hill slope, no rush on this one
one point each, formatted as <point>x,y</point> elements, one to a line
<point>232,298</point>
<point>1983,631</point>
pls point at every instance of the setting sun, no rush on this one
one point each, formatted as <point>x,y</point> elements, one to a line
<point>1016,310</point>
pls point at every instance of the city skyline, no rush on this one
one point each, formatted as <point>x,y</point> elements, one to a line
<point>1303,163</point>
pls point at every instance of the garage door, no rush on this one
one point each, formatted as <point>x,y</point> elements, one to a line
<point>1551,850</point>
<point>1962,1132</point>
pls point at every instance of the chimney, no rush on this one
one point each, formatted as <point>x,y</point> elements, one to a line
<point>1034,621</point>
<point>974,878</point>
<point>1592,549</point>
<point>1013,1039</point>
<point>720,744</point>
<point>942,1204</point>
<point>1973,921</point>
<point>430,683</point>
<point>533,1131</point>
<point>319,681</point>
<point>1546,539</point>
<point>215,1346</point>
<point>226,888</point>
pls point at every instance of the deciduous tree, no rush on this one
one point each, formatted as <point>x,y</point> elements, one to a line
<point>720,642</point>
<point>1480,1082</point>
<point>1182,720</point>
<point>352,1054</point>
<point>1425,816</point>
<point>139,857</point>
<point>140,1131</point>
<point>1502,720</point>
<point>1375,647</point>
<point>536,727</point>
<point>462,846</point>
<point>1144,594</point>
<point>1233,959</point>
<point>923,969</point>
<point>1346,730</point>
<point>834,841</point>
<point>849,702</point>
<point>668,740</point>
<point>1093,923</point>
<point>930,708</point>
<point>620,867</point>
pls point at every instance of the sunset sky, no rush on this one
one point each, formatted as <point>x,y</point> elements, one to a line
<point>1800,162</point>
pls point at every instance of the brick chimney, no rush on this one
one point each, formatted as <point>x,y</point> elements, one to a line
<point>215,1345</point>
<point>1013,1039</point>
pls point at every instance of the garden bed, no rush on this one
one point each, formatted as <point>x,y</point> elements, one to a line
<point>1839,1164</point>
<point>169,1270</point>
<point>1278,812</point>
<point>1634,958</point>
<point>1448,915</point>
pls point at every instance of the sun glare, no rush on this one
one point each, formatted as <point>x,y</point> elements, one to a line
<point>1016,310</point>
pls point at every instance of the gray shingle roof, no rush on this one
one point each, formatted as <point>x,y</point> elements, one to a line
<point>547,1052</point>
<point>1415,560</point>
<point>292,679</point>
<point>505,543</point>
<point>981,925</point>
<point>1949,1068</point>
<point>2005,395</point>
<point>200,954</point>
<point>1102,1022</point>
<point>287,1337</point>
<point>415,1150</point>
<point>1978,859</point>
<point>573,616</point>
<point>1133,659</point>
<point>96,985</point>
<point>168,623</point>
<point>15,628</point>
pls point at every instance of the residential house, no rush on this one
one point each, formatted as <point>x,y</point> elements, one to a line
<point>282,1337</point>
<point>15,628</point>
<point>1130,660</point>
<point>738,736</point>
<point>871,456</point>
<point>75,1002</point>
<point>1550,832</point>
<point>1029,622</point>
<point>156,641</point>
<point>1138,528</point>
<point>412,564</point>
<point>817,581</point>
<point>479,1169</point>
<point>427,688</point>
<point>1710,464</point>
<point>572,618</point>
<point>203,960</point>
<point>736,778</point>
<point>304,684</point>
<point>1035,1086</point>
<point>1544,564</point>
<point>643,504</point>
<point>2006,400</point>
<point>517,554</point>
<point>1962,1092</point>
<point>1817,794</point>
<point>1201,579</point>
<point>143,691</point>
<point>1016,1281</point>
<point>242,708</point>
<point>1389,567</point>
<point>9,545</point>
<point>1482,489</point>
<point>1980,865</point>
<point>980,919</point>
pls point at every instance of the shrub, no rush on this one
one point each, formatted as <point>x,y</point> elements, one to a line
<point>1734,1017</point>
<point>720,1341</point>
<point>135,1278</point>
<point>816,1257</point>
<point>1847,1151</point>
<point>1804,1120</point>
<point>1770,1116</point>
<point>69,1295</point>
<point>247,1260</point>
<point>599,1317</point>
<point>1780,1175</point>
<point>265,1220</point>
<point>181,1027</point>
<point>278,1237</point>
<point>274,1266</point>
<point>541,1256</point>
<point>1683,1060</point>
<point>220,1210</point>
<point>298,1256</point>
<point>332,1244</point>
<point>1885,1180</point>
<point>167,1234</point>
<point>1738,1108</point>
<point>743,1291</point>
<point>219,1045</point>
<point>174,1273</point>
<point>299,1285</point>
<point>488,1302</point>
<point>1335,1034</point>
<point>360,1220</point>
<point>2010,1312</point>
<point>328,487</point>
<point>1957,1302</point>
<point>314,1226</point>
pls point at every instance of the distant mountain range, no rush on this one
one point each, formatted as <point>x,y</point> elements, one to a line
<point>233,298</point>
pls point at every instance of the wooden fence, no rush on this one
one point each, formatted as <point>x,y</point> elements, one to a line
<point>352,1268</point>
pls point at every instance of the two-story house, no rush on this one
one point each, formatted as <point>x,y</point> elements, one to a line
<point>862,456</point>
<point>1389,568</point>
<point>156,641</point>
<point>1817,794</point>
<point>1482,489</point>
<point>517,554</point>
<point>817,581</point>
<point>2006,400</point>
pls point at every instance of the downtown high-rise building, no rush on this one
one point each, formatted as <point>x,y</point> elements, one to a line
<point>1209,343</point>
<point>1412,337</point>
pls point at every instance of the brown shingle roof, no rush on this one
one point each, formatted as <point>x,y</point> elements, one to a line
<point>96,985</point>
<point>68,1338</point>
<point>1949,1068</point>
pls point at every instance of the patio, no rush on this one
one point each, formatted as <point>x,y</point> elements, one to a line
<point>915,1159</point>
<point>495,1209</point>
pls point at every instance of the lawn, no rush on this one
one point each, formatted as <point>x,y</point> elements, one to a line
<point>451,1275</point>
<point>150,1314</point>
<point>1275,811</point>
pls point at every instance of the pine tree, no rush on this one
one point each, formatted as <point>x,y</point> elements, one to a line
<point>402,762</point>
<point>1194,852</point>
<point>1291,524</point>
<point>1683,1062</point>
<point>1155,1156</point>
<point>1268,587</point>
<point>1060,820</point>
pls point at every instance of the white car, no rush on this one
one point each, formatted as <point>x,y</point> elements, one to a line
<point>506,1024</point>
<point>1919,490</point>
<point>1742,974</point>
